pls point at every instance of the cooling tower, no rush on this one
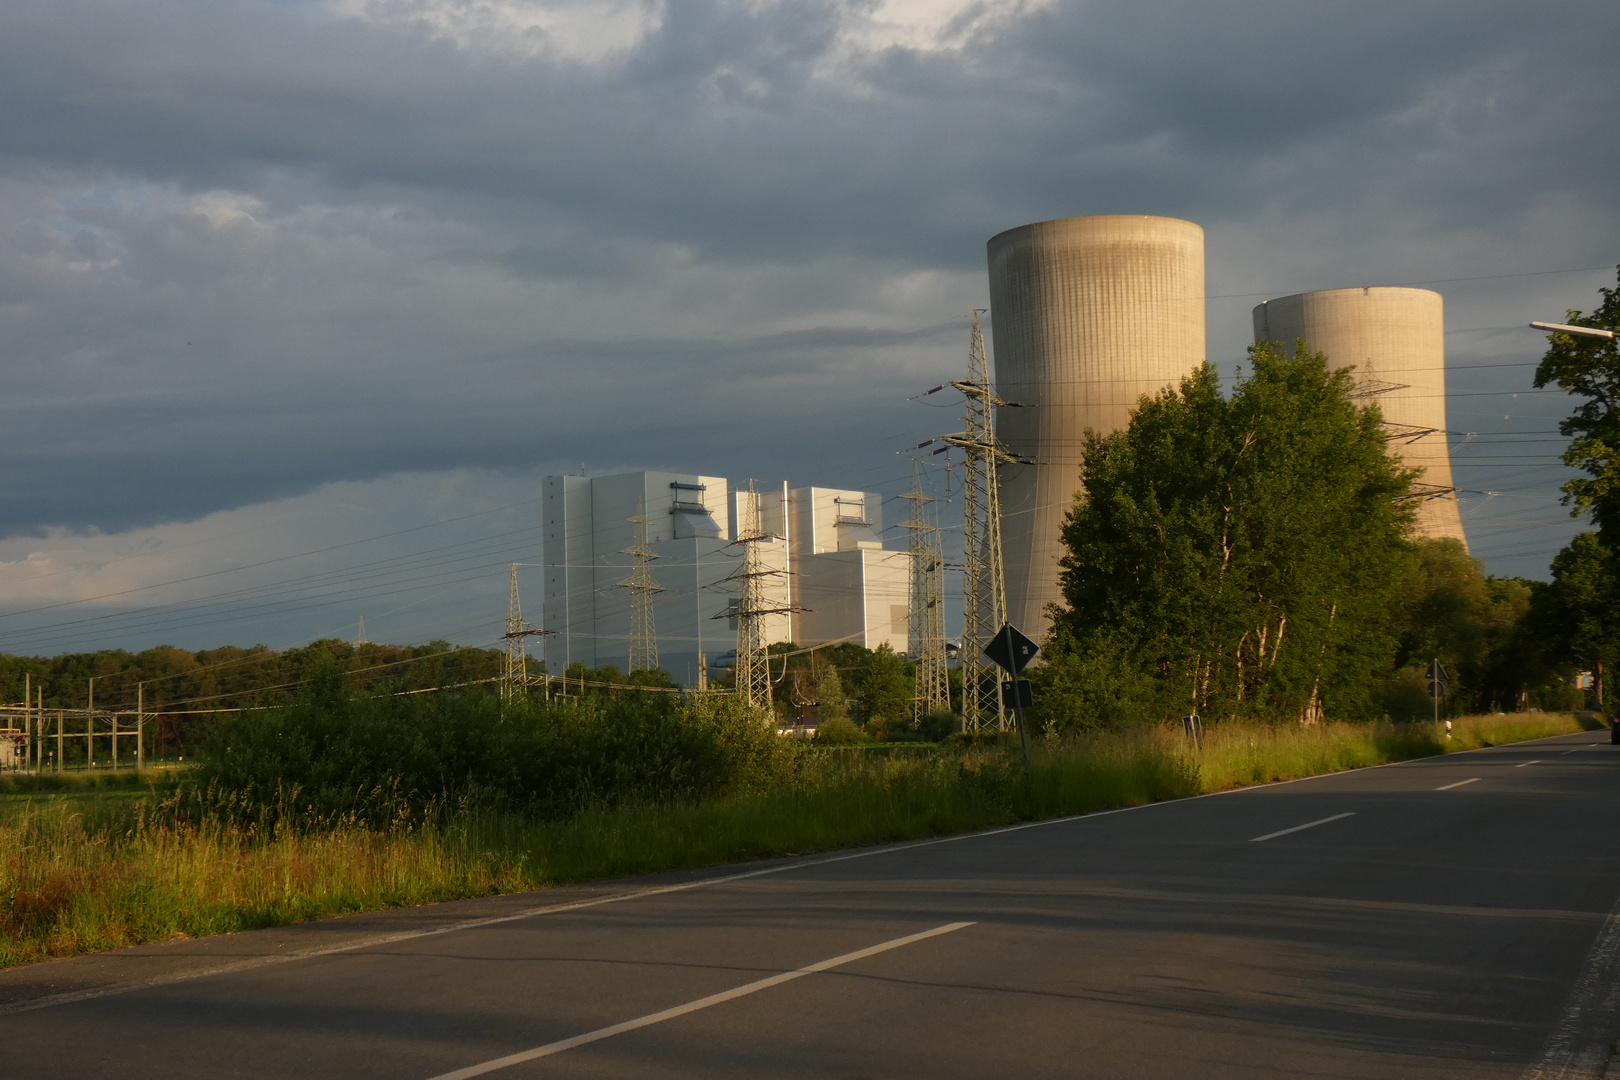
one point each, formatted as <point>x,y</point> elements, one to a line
<point>1396,340</point>
<point>1087,315</point>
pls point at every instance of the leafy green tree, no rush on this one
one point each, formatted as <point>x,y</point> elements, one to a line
<point>1575,614</point>
<point>1589,367</point>
<point>1237,556</point>
<point>831,701</point>
<point>1447,609</point>
<point>885,688</point>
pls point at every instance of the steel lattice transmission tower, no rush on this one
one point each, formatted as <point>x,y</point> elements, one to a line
<point>643,634</point>
<point>515,673</point>
<point>753,668</point>
<point>984,589</point>
<point>926,629</point>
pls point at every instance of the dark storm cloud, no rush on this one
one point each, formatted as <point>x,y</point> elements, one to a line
<point>457,257</point>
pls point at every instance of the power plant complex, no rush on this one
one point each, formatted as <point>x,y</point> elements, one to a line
<point>1088,315</point>
<point>823,575</point>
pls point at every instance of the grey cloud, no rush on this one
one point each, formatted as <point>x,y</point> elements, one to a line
<point>700,255</point>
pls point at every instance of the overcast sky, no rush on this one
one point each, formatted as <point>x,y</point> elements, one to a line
<point>320,275</point>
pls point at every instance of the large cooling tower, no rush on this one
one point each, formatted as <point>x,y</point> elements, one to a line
<point>1396,340</point>
<point>1087,315</point>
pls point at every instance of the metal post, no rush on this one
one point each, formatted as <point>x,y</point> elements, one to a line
<point>1018,710</point>
<point>28,702</point>
<point>140,726</point>
<point>59,762</point>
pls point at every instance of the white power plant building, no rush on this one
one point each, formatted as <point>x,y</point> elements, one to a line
<point>826,551</point>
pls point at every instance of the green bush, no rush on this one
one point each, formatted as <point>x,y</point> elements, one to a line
<point>939,725</point>
<point>376,760</point>
<point>839,731</point>
<point>1405,696</point>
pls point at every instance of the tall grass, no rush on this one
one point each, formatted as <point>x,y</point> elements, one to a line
<point>75,884</point>
<point>78,875</point>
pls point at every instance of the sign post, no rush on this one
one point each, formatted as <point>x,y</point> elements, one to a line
<point>1437,685</point>
<point>1012,652</point>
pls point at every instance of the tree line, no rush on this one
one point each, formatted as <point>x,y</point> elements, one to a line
<point>180,680</point>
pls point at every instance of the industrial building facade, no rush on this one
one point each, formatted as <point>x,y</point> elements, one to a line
<point>831,576</point>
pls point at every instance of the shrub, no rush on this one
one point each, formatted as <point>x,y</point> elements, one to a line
<point>939,725</point>
<point>1405,696</point>
<point>839,731</point>
<point>376,760</point>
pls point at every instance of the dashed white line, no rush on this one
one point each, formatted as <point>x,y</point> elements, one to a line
<point>1297,828</point>
<point>1460,783</point>
<point>692,1006</point>
<point>1522,764</point>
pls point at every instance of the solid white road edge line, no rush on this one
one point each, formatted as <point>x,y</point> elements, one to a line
<point>1297,828</point>
<point>693,1006</point>
<point>230,968</point>
<point>1579,1044</point>
<point>1460,783</point>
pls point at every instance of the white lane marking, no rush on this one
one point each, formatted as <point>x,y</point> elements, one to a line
<point>693,1006</point>
<point>1460,783</point>
<point>232,967</point>
<point>1579,1044</point>
<point>1522,764</point>
<point>1297,828</point>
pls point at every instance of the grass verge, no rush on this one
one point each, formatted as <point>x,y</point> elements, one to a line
<point>83,874</point>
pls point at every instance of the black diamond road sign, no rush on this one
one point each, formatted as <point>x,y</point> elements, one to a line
<point>1011,650</point>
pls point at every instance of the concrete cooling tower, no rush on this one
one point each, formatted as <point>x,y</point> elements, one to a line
<point>1396,340</point>
<point>1087,315</point>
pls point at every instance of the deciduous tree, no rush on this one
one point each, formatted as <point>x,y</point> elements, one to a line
<point>1237,556</point>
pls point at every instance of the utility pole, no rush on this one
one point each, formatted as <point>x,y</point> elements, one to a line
<point>984,589</point>
<point>643,633</point>
<point>515,674</point>
<point>753,668</point>
<point>90,726</point>
<point>926,627</point>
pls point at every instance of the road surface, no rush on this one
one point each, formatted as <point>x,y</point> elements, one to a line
<point>1450,917</point>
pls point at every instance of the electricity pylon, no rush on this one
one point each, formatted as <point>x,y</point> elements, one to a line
<point>984,589</point>
<point>753,667</point>
<point>515,674</point>
<point>926,628</point>
<point>360,638</point>
<point>643,635</point>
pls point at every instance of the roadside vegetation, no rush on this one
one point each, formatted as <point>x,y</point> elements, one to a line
<point>347,804</point>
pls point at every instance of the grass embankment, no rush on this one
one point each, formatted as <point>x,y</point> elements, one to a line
<point>81,875</point>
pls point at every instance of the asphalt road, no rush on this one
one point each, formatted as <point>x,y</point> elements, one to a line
<point>1440,918</point>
